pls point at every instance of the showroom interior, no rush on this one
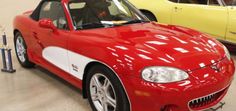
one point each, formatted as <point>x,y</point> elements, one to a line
<point>37,89</point>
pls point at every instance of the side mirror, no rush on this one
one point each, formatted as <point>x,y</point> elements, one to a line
<point>47,23</point>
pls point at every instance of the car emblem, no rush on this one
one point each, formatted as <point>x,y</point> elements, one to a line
<point>215,67</point>
<point>75,68</point>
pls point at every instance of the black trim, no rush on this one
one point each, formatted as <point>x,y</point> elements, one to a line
<point>230,45</point>
<point>35,14</point>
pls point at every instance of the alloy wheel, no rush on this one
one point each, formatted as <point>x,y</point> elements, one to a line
<point>102,93</point>
<point>20,49</point>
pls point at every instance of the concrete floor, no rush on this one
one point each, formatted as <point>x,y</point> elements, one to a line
<point>39,90</point>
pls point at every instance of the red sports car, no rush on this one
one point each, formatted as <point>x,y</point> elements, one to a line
<point>120,59</point>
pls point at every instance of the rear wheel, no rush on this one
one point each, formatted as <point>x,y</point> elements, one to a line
<point>104,90</point>
<point>21,51</point>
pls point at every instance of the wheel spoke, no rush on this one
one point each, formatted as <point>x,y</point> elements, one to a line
<point>23,51</point>
<point>20,40</point>
<point>17,50</point>
<point>106,84</point>
<point>95,97</point>
<point>111,101</point>
<point>96,82</point>
<point>98,105</point>
<point>20,57</point>
<point>17,41</point>
<point>105,106</point>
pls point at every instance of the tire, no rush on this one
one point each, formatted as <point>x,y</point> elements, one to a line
<point>110,87</point>
<point>21,51</point>
<point>150,16</point>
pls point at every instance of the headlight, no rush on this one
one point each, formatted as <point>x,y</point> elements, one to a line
<point>163,74</point>
<point>227,54</point>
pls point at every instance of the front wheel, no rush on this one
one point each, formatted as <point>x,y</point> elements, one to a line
<point>104,90</point>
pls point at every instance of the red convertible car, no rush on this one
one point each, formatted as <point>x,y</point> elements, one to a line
<point>120,59</point>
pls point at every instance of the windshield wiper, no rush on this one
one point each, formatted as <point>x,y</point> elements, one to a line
<point>95,25</point>
<point>136,21</point>
<point>107,24</point>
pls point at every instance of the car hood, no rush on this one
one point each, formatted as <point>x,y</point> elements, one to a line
<point>164,45</point>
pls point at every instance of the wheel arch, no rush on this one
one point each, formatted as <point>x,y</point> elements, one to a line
<point>27,63</point>
<point>145,10</point>
<point>87,68</point>
<point>148,11</point>
<point>92,64</point>
<point>15,31</point>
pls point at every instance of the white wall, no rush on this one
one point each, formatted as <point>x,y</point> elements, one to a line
<point>10,8</point>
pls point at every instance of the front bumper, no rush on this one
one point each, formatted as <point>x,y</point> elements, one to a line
<point>180,96</point>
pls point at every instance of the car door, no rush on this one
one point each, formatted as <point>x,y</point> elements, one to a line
<point>50,46</point>
<point>231,30</point>
<point>207,16</point>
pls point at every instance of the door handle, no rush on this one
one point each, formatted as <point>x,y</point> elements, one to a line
<point>233,32</point>
<point>177,9</point>
<point>35,35</point>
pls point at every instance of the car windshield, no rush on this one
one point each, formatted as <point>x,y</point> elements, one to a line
<point>230,2</point>
<point>88,14</point>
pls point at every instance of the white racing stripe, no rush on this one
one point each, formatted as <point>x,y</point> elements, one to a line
<point>66,60</point>
<point>80,61</point>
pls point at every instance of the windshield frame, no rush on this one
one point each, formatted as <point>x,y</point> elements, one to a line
<point>132,8</point>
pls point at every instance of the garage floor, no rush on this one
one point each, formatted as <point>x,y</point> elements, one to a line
<point>39,90</point>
